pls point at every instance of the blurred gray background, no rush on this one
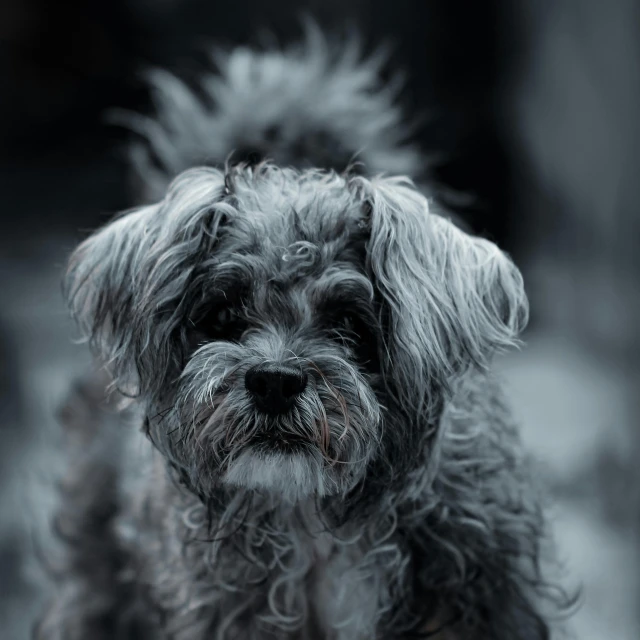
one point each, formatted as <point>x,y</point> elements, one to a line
<point>533,109</point>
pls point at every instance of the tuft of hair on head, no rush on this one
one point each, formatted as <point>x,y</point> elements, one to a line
<point>319,103</point>
<point>450,300</point>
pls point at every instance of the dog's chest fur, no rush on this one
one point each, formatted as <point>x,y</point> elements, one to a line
<point>345,588</point>
<point>277,574</point>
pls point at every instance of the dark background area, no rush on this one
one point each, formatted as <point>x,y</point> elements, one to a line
<point>530,110</point>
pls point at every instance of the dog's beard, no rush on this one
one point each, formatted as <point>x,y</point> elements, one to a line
<point>218,437</point>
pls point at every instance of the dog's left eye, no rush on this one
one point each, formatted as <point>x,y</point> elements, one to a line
<point>357,333</point>
<point>348,322</point>
<point>224,317</point>
<point>346,326</point>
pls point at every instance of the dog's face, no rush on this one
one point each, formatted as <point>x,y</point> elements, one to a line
<point>286,329</point>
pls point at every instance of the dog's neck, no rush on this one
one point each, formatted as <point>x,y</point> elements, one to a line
<point>263,522</point>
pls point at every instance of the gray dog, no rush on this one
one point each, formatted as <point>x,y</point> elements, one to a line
<point>314,446</point>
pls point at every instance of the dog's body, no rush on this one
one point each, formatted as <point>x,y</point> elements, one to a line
<point>331,457</point>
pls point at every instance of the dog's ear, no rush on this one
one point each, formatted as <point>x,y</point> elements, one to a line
<point>449,300</point>
<point>125,284</point>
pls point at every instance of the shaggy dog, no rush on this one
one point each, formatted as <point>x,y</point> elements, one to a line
<point>314,446</point>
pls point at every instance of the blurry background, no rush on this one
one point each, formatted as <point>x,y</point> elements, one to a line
<point>532,107</point>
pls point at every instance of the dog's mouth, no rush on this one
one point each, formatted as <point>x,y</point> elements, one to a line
<point>317,447</point>
<point>283,463</point>
<point>279,442</point>
<point>260,432</point>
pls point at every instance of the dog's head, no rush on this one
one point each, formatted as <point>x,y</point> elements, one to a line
<point>288,329</point>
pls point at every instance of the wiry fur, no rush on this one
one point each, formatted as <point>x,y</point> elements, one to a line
<point>314,105</point>
<point>392,501</point>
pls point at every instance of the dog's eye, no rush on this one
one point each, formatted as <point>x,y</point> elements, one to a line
<point>220,324</point>
<point>346,327</point>
<point>357,333</point>
<point>223,318</point>
<point>348,322</point>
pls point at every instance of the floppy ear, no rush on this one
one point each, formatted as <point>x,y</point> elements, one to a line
<point>125,284</point>
<point>450,300</point>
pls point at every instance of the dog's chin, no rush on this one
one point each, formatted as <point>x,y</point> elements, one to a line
<point>285,472</point>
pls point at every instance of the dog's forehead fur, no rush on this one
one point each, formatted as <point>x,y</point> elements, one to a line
<point>283,207</point>
<point>287,232</point>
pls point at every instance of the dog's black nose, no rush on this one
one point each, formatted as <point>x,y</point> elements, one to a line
<point>274,387</point>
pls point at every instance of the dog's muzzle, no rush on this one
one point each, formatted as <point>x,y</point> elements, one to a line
<point>275,387</point>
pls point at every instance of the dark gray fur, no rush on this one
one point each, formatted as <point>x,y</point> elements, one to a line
<point>407,508</point>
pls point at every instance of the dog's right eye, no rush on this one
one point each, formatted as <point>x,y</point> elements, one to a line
<point>222,323</point>
<point>223,318</point>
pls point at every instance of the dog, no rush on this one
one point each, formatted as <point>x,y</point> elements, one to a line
<point>313,444</point>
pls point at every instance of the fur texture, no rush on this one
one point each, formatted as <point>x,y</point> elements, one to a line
<point>392,500</point>
<point>319,104</point>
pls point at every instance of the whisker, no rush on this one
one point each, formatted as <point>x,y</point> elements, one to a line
<point>337,396</point>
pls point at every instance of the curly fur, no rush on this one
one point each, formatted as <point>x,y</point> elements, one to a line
<point>392,501</point>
